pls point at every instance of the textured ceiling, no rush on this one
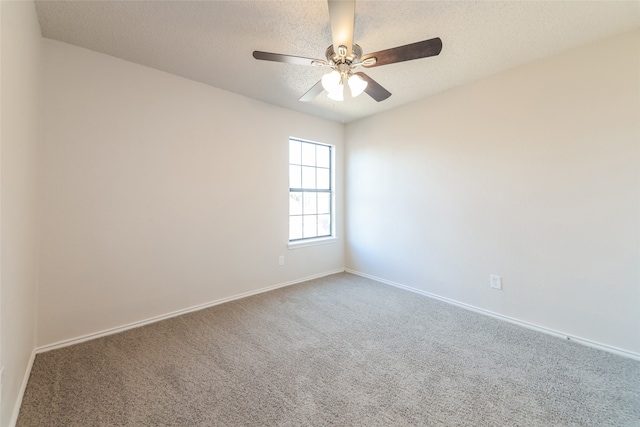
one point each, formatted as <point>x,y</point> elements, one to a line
<point>212,41</point>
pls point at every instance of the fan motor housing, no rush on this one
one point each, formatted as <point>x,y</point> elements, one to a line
<point>335,59</point>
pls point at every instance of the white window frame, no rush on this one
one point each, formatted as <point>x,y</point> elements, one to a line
<point>312,241</point>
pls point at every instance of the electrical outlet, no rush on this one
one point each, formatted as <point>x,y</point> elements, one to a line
<point>281,260</point>
<point>496,282</point>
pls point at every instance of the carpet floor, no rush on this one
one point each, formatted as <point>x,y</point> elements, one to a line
<point>336,351</point>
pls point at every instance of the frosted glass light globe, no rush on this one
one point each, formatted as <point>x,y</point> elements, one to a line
<point>357,85</point>
<point>331,81</point>
<point>337,94</point>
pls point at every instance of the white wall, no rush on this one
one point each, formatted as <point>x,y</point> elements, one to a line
<point>18,195</point>
<point>532,174</point>
<point>161,193</point>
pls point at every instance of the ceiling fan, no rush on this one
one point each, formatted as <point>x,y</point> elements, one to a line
<point>345,58</point>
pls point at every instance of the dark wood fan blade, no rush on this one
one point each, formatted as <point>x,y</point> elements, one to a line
<point>312,93</point>
<point>287,59</point>
<point>423,49</point>
<point>342,15</point>
<point>374,89</point>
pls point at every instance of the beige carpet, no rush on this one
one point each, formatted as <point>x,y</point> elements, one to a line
<point>336,351</point>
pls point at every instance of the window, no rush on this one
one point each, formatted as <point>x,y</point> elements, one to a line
<point>310,190</point>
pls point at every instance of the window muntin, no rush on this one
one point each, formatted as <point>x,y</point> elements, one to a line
<point>310,190</point>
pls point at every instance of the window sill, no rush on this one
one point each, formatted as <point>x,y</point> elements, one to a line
<point>312,242</point>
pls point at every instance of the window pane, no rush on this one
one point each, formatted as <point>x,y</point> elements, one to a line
<point>324,225</point>
<point>295,176</point>
<point>295,227</point>
<point>310,206</point>
<point>324,180</point>
<point>310,226</point>
<point>294,151</point>
<point>324,203</point>
<point>310,211</point>
<point>308,177</point>
<point>323,154</point>
<point>308,154</point>
<point>295,203</point>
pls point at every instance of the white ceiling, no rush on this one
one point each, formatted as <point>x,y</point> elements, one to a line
<point>212,41</point>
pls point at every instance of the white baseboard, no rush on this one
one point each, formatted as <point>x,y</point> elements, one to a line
<point>563,335</point>
<point>23,388</point>
<point>122,328</point>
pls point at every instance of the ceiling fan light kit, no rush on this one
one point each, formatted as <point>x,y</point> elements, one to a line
<point>344,58</point>
<point>342,73</point>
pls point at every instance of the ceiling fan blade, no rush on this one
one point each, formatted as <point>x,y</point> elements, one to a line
<point>342,16</point>
<point>423,49</point>
<point>374,89</point>
<point>312,93</point>
<point>287,59</point>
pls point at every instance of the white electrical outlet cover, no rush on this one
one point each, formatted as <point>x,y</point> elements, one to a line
<point>496,282</point>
